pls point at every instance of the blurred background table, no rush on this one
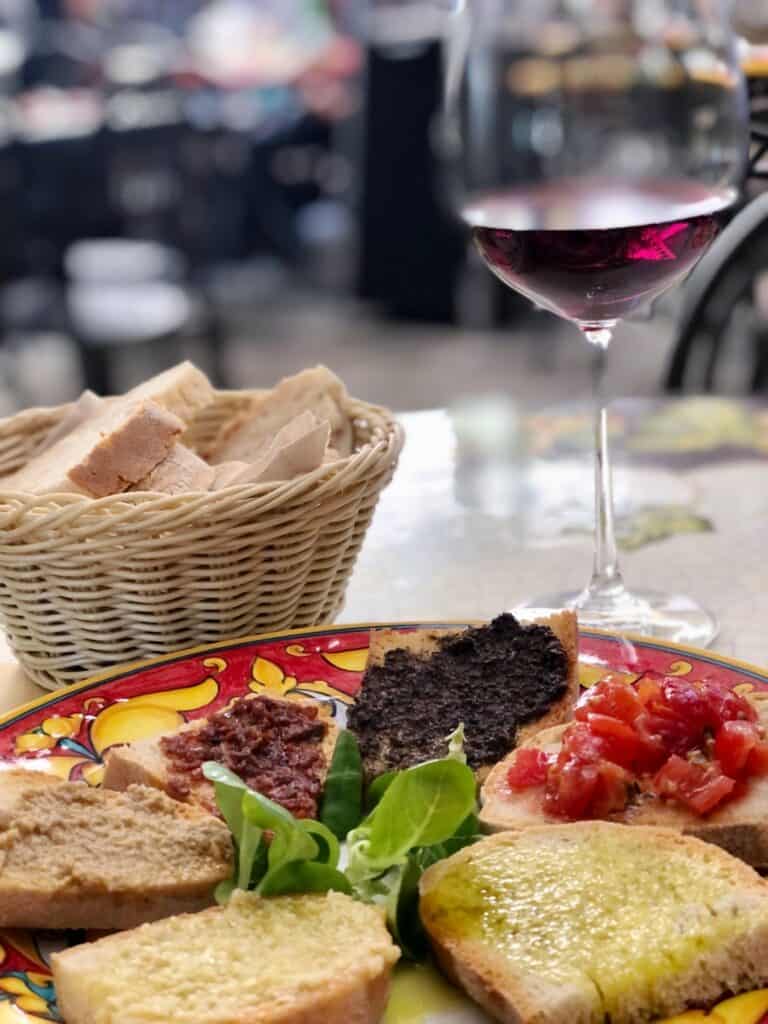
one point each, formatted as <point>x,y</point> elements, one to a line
<point>492,503</point>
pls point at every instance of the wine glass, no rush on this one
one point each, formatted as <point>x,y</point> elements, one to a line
<point>599,143</point>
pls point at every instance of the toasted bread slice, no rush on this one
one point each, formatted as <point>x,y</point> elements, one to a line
<point>76,857</point>
<point>393,734</point>
<point>147,763</point>
<point>581,923</point>
<point>310,959</point>
<point>739,826</point>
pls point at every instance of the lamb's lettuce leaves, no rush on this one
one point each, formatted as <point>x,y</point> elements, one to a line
<point>304,876</point>
<point>342,806</point>
<point>416,817</point>
<point>276,852</point>
<point>422,815</point>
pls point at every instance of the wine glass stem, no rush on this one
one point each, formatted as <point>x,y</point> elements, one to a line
<point>606,574</point>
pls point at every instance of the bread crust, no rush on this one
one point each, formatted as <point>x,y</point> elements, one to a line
<point>143,762</point>
<point>485,978</point>
<point>566,628</point>
<point>108,912</point>
<point>740,827</point>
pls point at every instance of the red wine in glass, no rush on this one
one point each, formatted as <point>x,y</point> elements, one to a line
<point>595,251</point>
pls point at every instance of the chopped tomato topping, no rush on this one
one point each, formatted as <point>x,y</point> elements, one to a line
<point>757,762</point>
<point>611,790</point>
<point>619,742</point>
<point>671,734</point>
<point>581,744</point>
<point>570,786</point>
<point>653,751</point>
<point>700,787</point>
<point>696,743</point>
<point>686,702</point>
<point>618,700</point>
<point>726,705</point>
<point>649,687</point>
<point>733,744</point>
<point>529,768</point>
<point>579,789</point>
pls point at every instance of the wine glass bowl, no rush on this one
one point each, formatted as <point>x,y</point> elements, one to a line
<point>598,145</point>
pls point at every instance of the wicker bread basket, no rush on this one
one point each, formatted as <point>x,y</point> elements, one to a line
<point>89,583</point>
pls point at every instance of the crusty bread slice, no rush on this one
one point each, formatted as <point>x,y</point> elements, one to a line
<point>144,762</point>
<point>227,473</point>
<point>290,454</point>
<point>87,405</point>
<point>310,959</point>
<point>76,857</point>
<point>104,455</point>
<point>576,924</point>
<point>317,391</point>
<point>181,470</point>
<point>739,826</point>
<point>183,390</point>
<point>422,644</point>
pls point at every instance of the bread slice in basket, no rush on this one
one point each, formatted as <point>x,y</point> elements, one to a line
<point>503,681</point>
<point>589,922</point>
<point>316,390</point>
<point>310,959</point>
<point>105,446</point>
<point>282,747</point>
<point>739,825</point>
<point>76,857</point>
<point>180,471</point>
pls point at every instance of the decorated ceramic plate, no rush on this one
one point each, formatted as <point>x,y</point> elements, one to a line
<point>68,733</point>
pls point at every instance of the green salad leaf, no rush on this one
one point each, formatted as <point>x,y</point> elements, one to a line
<point>275,852</point>
<point>456,744</point>
<point>415,818</point>
<point>304,876</point>
<point>421,815</point>
<point>421,806</point>
<point>342,806</point>
<point>378,788</point>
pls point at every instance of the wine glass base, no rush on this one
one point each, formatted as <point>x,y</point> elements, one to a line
<point>671,617</point>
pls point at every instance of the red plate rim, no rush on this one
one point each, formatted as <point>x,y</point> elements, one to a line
<point>120,671</point>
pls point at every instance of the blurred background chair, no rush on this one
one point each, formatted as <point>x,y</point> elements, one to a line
<point>722,336</point>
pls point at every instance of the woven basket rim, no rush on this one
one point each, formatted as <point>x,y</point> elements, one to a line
<point>391,438</point>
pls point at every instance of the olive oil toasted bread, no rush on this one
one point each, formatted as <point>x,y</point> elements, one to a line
<point>739,826</point>
<point>310,959</point>
<point>504,681</point>
<point>76,857</point>
<point>579,923</point>
<point>249,736</point>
